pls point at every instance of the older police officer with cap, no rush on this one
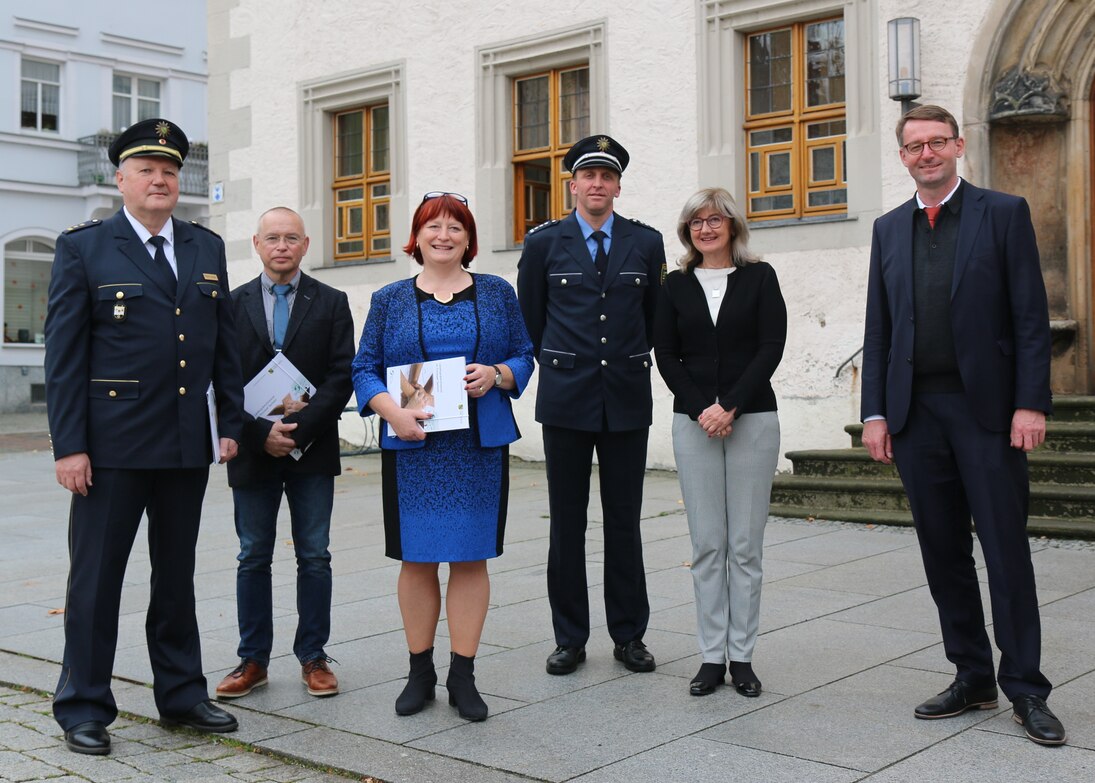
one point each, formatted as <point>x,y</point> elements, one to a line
<point>588,285</point>
<point>139,323</point>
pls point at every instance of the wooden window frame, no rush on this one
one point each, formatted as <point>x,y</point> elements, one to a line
<point>559,201</point>
<point>798,118</point>
<point>368,180</point>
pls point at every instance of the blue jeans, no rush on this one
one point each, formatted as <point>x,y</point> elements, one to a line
<point>310,499</point>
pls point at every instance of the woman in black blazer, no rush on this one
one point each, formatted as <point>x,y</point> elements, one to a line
<point>718,337</point>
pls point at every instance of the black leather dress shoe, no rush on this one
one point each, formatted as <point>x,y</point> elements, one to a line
<point>956,699</point>
<point>634,656</point>
<point>90,738</point>
<point>1042,726</point>
<point>745,680</point>
<point>565,659</point>
<point>750,688</point>
<point>203,716</point>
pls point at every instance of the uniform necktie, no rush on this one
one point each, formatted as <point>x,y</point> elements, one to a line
<point>281,313</point>
<point>932,213</point>
<point>601,260</point>
<point>162,265</point>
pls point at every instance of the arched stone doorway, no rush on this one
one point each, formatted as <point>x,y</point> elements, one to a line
<point>1028,120</point>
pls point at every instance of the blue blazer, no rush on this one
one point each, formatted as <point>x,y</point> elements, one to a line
<point>999,314</point>
<point>391,338</point>
<point>128,362</point>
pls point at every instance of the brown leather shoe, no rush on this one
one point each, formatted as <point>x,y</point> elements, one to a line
<point>242,680</point>
<point>319,678</point>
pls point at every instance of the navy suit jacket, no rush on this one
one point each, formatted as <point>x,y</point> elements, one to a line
<point>319,341</point>
<point>999,315</point>
<point>592,336</point>
<point>128,362</point>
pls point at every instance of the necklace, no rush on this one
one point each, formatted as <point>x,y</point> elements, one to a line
<point>442,299</point>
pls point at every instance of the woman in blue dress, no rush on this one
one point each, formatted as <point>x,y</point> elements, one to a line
<point>445,493</point>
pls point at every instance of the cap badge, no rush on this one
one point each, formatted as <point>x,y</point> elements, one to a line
<point>603,144</point>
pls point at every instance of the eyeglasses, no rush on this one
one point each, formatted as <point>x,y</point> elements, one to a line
<point>937,144</point>
<point>439,193</point>
<point>714,223</point>
<point>273,240</point>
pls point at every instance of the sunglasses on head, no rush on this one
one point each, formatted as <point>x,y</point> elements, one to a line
<point>439,193</point>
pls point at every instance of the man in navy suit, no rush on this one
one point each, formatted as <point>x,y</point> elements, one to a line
<point>956,357</point>
<point>309,323</point>
<point>138,325</point>
<point>588,286</point>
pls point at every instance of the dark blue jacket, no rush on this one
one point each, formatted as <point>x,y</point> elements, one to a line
<point>128,363</point>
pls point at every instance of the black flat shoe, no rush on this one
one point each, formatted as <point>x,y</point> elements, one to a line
<point>1042,726</point>
<point>565,659</point>
<point>203,716</point>
<point>90,738</point>
<point>707,679</point>
<point>634,656</point>
<point>744,679</point>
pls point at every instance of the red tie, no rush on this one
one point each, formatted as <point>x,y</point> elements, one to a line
<point>932,213</point>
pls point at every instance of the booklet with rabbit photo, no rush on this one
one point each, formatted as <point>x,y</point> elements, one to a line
<point>436,387</point>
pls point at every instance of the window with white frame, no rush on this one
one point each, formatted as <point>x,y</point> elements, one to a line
<point>27,265</point>
<point>40,95</point>
<point>135,98</point>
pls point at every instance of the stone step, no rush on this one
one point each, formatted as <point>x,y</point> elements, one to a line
<point>1046,467</point>
<point>1074,408</point>
<point>1063,436</point>
<point>811,494</point>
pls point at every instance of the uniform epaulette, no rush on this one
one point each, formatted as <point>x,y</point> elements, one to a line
<point>545,224</point>
<point>81,226</point>
<point>196,224</point>
<point>640,223</point>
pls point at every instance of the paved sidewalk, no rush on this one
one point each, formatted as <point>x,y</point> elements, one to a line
<point>849,645</point>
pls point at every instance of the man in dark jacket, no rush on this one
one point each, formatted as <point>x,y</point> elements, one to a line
<point>588,286</point>
<point>292,451</point>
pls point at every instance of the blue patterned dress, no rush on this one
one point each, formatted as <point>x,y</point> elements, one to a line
<point>446,502</point>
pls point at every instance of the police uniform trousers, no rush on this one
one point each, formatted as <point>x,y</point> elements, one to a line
<point>102,528</point>
<point>953,467</point>
<point>621,458</point>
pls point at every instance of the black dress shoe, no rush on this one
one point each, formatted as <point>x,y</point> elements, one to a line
<point>634,656</point>
<point>203,716</point>
<point>956,699</point>
<point>744,679</point>
<point>565,659</point>
<point>90,738</point>
<point>709,677</point>
<point>1042,726</point>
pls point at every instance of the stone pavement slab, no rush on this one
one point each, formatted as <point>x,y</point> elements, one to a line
<point>849,644</point>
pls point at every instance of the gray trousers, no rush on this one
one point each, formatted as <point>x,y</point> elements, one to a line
<point>727,484</point>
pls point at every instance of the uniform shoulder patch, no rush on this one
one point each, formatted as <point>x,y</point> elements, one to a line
<point>545,224</point>
<point>644,225</point>
<point>196,224</point>
<point>82,226</point>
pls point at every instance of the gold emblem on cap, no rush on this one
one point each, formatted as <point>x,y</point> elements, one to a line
<point>162,129</point>
<point>603,144</point>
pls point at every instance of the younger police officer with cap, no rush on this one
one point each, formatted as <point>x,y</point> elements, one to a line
<point>588,285</point>
<point>139,322</point>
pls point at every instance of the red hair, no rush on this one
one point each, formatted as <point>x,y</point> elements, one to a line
<point>433,208</point>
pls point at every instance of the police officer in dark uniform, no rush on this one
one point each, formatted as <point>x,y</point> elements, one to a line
<point>588,285</point>
<point>139,324</point>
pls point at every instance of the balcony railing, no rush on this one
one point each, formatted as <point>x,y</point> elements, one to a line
<point>95,168</point>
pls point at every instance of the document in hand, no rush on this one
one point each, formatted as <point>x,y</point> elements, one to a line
<point>211,404</point>
<point>278,388</point>
<point>436,387</point>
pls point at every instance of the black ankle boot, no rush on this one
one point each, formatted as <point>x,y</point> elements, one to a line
<point>462,692</point>
<point>420,684</point>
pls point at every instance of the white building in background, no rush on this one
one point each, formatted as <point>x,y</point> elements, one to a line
<point>73,74</point>
<point>350,111</point>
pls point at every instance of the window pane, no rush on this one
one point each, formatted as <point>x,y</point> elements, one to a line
<point>350,248</point>
<point>825,63</point>
<point>44,72</point>
<point>573,105</point>
<point>380,217</point>
<point>381,244</point>
<point>25,284</point>
<point>754,172</point>
<point>770,72</point>
<point>823,164</point>
<point>380,150</point>
<point>771,203</point>
<point>350,194</point>
<point>147,110</point>
<point>782,135</point>
<point>147,88</point>
<point>122,84</point>
<point>381,189</point>
<point>29,105</point>
<point>356,215</point>
<point>820,130</point>
<point>828,198</point>
<point>121,112</point>
<point>779,169</point>
<point>350,139</point>
<point>51,106</point>
<point>532,110</point>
